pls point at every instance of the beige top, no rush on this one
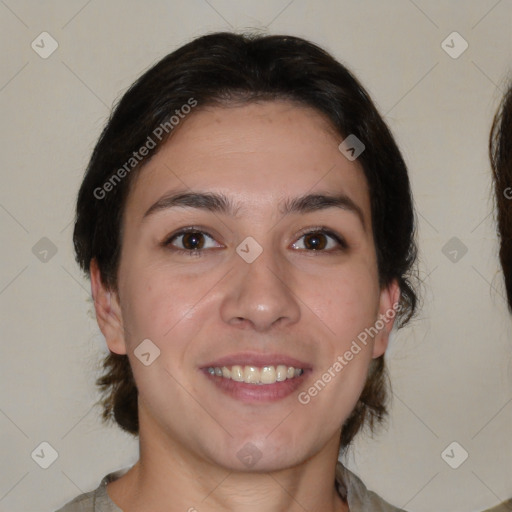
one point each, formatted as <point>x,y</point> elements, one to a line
<point>349,487</point>
<point>506,506</point>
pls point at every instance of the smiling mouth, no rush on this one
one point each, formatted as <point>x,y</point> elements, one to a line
<point>250,374</point>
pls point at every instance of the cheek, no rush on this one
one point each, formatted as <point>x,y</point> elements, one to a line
<point>347,301</point>
<point>164,307</point>
<point>149,306</point>
<point>158,310</point>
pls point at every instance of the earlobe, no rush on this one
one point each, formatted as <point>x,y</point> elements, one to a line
<point>108,311</point>
<point>388,309</point>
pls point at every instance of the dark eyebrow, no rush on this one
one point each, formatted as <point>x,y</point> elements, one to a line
<point>220,203</point>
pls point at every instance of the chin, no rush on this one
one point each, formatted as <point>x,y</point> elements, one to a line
<point>257,454</point>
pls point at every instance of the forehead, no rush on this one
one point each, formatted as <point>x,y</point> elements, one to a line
<point>257,153</point>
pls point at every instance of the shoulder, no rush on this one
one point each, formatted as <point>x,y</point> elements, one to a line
<point>95,500</point>
<point>506,506</point>
<point>82,503</point>
<point>359,498</point>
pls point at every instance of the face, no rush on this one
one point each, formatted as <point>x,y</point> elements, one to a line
<point>255,278</point>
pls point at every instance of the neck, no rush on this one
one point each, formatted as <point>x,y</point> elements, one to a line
<point>169,478</point>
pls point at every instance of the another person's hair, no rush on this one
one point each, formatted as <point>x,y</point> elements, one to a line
<point>228,69</point>
<point>500,152</point>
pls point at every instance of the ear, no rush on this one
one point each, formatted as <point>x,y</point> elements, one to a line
<point>388,309</point>
<point>108,311</point>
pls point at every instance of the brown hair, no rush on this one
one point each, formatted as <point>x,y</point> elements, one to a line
<point>219,68</point>
<point>500,152</point>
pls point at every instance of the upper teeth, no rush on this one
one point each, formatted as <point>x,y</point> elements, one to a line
<point>255,375</point>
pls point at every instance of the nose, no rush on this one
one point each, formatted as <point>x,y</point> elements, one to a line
<point>260,294</point>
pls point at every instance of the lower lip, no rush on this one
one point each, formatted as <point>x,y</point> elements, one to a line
<point>256,392</point>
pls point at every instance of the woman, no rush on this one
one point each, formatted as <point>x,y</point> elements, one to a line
<point>500,152</point>
<point>246,221</point>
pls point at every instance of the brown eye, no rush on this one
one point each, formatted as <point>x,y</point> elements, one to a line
<point>321,240</point>
<point>191,241</point>
<point>315,241</point>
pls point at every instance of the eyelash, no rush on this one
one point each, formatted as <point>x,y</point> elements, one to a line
<point>200,252</point>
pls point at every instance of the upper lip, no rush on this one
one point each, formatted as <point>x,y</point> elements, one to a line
<point>257,359</point>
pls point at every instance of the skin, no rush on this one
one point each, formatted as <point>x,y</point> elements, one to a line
<point>293,300</point>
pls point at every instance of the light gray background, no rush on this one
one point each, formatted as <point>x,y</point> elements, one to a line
<point>451,369</point>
